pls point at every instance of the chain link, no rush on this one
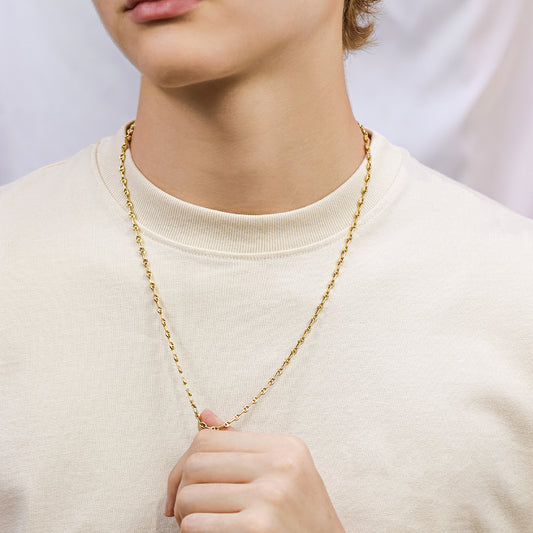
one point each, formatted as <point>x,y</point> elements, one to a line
<point>156,298</point>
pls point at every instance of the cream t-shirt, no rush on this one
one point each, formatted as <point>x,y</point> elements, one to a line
<point>413,390</point>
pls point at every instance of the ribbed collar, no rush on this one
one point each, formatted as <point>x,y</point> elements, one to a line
<point>205,229</point>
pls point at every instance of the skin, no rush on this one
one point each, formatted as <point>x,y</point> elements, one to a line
<point>243,108</point>
<point>228,481</point>
<point>243,105</point>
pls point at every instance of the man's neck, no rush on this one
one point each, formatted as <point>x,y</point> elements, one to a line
<point>253,147</point>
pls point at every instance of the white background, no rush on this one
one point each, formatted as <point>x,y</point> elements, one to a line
<point>449,79</point>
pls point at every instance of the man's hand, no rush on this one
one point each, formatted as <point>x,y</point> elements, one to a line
<point>235,482</point>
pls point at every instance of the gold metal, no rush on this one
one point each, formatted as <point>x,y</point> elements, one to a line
<point>153,287</point>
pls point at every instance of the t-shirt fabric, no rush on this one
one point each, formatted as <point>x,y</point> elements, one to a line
<point>413,390</point>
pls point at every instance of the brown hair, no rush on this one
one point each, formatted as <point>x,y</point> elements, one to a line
<point>356,26</point>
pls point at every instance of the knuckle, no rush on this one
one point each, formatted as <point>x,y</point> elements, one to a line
<point>260,522</point>
<point>276,495</point>
<point>287,463</point>
<point>297,444</point>
<point>272,493</point>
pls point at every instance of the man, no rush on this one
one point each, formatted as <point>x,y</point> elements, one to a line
<point>356,326</point>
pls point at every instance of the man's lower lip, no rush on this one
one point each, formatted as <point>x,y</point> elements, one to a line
<point>161,9</point>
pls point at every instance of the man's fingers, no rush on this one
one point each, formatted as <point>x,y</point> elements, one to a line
<point>226,440</point>
<point>212,522</point>
<point>211,419</point>
<point>224,467</point>
<point>174,478</point>
<point>173,482</point>
<point>212,498</point>
<point>243,441</point>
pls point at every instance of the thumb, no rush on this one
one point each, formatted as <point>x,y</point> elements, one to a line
<point>211,419</point>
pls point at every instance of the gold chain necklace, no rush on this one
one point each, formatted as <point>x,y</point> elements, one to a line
<point>142,252</point>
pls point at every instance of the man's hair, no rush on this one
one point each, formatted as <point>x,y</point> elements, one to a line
<point>356,26</point>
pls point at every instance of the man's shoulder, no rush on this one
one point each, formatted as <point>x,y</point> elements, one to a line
<point>32,184</point>
<point>469,250</point>
<point>38,194</point>
<point>449,230</point>
<point>457,208</point>
<point>40,180</point>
